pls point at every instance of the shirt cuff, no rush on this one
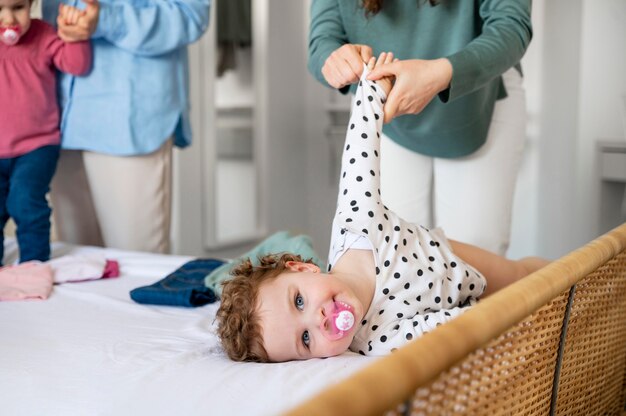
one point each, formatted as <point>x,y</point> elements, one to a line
<point>107,27</point>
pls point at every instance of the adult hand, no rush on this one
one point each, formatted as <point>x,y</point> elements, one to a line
<point>417,83</point>
<point>76,25</point>
<point>345,65</point>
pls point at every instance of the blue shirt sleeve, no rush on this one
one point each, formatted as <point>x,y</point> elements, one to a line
<point>152,27</point>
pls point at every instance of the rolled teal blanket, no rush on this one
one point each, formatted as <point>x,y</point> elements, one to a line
<point>280,242</point>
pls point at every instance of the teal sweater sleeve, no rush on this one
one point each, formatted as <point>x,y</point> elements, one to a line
<point>506,33</point>
<point>326,34</point>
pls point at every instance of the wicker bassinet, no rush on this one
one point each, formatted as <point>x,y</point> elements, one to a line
<point>552,343</point>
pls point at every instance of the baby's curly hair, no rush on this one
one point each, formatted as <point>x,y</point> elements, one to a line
<point>238,322</point>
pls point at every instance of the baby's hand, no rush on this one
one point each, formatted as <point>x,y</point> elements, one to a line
<point>74,24</point>
<point>385,58</point>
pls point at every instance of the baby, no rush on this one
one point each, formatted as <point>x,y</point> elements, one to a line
<point>31,52</point>
<point>388,281</point>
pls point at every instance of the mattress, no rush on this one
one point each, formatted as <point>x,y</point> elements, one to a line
<point>90,350</point>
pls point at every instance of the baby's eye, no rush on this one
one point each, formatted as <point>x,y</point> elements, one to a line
<point>306,339</point>
<point>299,302</point>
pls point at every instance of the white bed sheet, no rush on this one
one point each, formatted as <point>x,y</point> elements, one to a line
<point>90,350</point>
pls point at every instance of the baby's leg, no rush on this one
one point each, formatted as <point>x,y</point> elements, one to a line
<point>499,271</point>
<point>533,263</point>
<point>27,203</point>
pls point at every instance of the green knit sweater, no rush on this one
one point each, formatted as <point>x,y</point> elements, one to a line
<point>481,38</point>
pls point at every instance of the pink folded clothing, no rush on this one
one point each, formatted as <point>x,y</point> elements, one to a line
<point>27,281</point>
<point>82,267</point>
<point>112,269</point>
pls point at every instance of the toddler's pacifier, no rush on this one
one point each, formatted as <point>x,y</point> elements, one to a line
<point>335,325</point>
<point>10,35</point>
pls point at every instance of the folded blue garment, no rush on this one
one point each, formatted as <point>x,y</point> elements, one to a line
<point>183,287</point>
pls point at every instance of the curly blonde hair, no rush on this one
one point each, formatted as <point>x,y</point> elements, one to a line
<point>237,318</point>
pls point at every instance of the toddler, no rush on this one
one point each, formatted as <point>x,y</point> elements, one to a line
<point>30,53</point>
<point>388,281</point>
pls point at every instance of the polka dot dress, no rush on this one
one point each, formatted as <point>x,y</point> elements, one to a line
<point>420,282</point>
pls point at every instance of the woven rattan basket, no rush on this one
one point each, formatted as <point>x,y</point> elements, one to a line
<point>552,343</point>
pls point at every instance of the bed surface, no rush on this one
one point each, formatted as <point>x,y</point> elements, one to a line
<point>90,350</point>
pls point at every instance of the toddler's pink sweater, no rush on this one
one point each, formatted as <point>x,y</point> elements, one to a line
<point>29,112</point>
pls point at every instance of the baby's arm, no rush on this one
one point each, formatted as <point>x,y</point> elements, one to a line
<point>359,202</point>
<point>72,57</point>
<point>76,25</point>
<point>71,51</point>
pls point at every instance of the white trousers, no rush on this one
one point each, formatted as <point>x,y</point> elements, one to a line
<point>470,197</point>
<point>114,201</point>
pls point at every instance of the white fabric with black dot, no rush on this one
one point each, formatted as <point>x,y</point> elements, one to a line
<point>420,282</point>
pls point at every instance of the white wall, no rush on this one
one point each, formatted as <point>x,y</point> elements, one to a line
<point>285,157</point>
<point>576,74</point>
<point>322,183</point>
<point>526,203</point>
<point>279,143</point>
<point>602,85</point>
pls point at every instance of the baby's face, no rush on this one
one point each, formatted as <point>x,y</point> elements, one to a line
<point>14,18</point>
<point>293,309</point>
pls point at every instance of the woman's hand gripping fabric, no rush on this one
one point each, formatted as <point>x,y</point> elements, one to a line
<point>417,82</point>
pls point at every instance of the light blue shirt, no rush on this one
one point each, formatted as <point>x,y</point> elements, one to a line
<point>136,95</point>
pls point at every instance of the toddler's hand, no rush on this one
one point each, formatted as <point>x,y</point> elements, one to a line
<point>75,25</point>
<point>385,82</point>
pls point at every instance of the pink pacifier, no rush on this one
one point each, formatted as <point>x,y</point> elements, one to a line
<point>335,325</point>
<point>10,35</point>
